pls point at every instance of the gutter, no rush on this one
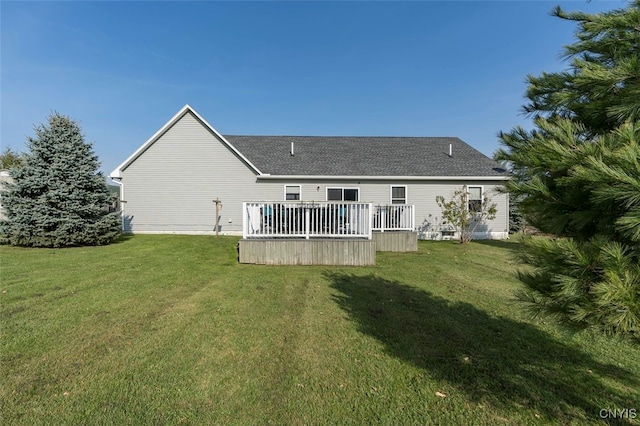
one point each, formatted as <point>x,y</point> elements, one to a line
<point>399,178</point>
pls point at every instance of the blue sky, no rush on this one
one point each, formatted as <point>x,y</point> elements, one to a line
<point>122,69</point>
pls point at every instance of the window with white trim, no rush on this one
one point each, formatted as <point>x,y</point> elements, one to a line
<point>398,195</point>
<point>343,194</point>
<point>292,192</point>
<point>474,198</point>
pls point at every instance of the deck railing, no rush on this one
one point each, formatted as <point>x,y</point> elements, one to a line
<point>301,219</point>
<point>394,217</point>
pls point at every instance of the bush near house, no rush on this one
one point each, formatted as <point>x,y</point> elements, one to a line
<point>464,214</point>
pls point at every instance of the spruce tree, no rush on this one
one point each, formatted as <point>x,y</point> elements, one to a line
<point>58,197</point>
<point>10,159</point>
<point>577,176</point>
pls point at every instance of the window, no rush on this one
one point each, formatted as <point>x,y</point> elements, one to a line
<point>474,198</point>
<point>292,192</point>
<point>351,194</point>
<point>398,195</point>
<point>343,194</point>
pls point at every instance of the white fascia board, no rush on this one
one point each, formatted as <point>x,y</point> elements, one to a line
<point>399,178</point>
<point>117,173</point>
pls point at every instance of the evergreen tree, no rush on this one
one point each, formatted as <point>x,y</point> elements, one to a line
<point>10,159</point>
<point>517,223</point>
<point>601,88</point>
<point>58,197</point>
<point>577,176</point>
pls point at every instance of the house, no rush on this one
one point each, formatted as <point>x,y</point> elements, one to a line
<point>5,178</point>
<point>171,183</point>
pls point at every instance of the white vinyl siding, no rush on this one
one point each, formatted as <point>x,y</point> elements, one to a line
<point>422,195</point>
<point>171,186</point>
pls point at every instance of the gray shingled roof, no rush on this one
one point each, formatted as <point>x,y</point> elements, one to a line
<point>364,156</point>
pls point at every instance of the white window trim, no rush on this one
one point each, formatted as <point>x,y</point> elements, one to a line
<point>285,192</point>
<point>481,193</point>
<point>326,191</point>
<point>406,193</point>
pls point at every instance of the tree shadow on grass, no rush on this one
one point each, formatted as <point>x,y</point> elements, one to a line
<point>492,360</point>
<point>122,238</point>
<point>511,246</point>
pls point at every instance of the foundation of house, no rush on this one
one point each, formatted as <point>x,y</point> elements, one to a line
<point>281,251</point>
<point>399,241</point>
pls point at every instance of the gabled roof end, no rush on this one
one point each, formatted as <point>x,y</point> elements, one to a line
<point>117,173</point>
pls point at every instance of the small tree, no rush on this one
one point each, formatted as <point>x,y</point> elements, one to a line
<point>517,222</point>
<point>466,215</point>
<point>58,198</point>
<point>10,159</point>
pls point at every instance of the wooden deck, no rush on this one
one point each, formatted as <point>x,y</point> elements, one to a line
<point>350,252</point>
<point>398,241</point>
<point>324,233</point>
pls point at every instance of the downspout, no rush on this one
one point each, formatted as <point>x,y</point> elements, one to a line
<point>122,202</point>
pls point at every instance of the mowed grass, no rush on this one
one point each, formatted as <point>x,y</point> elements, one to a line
<point>172,330</point>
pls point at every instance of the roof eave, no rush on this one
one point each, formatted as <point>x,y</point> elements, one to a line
<point>355,177</point>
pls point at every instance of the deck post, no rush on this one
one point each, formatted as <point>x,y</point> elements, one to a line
<point>413,218</point>
<point>307,222</point>
<point>244,220</point>
<point>370,220</point>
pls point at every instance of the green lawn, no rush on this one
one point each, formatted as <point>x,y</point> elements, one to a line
<point>172,330</point>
